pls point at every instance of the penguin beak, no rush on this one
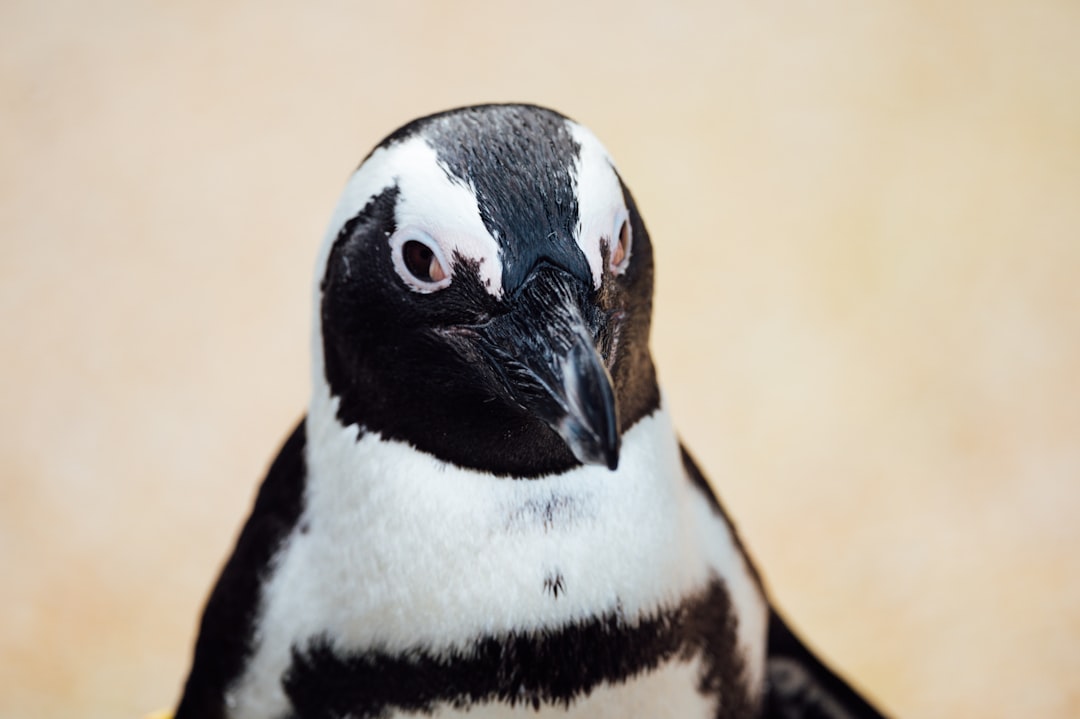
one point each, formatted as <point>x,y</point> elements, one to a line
<point>545,352</point>
<point>587,414</point>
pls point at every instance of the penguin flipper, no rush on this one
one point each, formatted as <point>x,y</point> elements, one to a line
<point>228,619</point>
<point>800,686</point>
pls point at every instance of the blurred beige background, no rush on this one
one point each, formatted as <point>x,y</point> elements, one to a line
<point>867,222</point>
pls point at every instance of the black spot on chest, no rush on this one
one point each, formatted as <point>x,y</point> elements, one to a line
<point>548,667</point>
<point>555,584</point>
<point>555,511</point>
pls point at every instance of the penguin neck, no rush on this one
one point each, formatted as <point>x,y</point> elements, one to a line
<point>510,554</point>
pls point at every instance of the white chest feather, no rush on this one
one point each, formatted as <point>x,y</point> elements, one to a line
<point>396,550</point>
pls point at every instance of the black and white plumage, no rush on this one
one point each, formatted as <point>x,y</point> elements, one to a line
<point>486,509</point>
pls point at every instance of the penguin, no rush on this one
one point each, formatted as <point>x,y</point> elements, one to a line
<point>486,510</point>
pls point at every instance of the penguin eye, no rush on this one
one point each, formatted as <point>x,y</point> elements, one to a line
<point>419,261</point>
<point>620,254</point>
<point>422,262</point>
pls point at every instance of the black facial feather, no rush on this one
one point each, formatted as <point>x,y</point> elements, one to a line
<point>633,371</point>
<point>398,373</point>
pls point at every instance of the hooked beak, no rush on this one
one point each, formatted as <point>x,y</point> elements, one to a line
<point>545,350</point>
<point>588,421</point>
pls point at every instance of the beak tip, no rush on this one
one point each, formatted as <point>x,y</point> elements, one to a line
<point>587,446</point>
<point>611,448</point>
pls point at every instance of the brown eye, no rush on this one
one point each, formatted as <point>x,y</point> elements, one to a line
<point>621,252</point>
<point>419,260</point>
<point>422,262</point>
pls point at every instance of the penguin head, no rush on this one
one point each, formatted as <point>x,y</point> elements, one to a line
<point>484,294</point>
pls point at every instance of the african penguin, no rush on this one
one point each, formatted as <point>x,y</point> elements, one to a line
<point>486,509</point>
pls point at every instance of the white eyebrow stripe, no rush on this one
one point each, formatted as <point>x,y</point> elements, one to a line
<point>599,195</point>
<point>428,199</point>
<point>447,209</point>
